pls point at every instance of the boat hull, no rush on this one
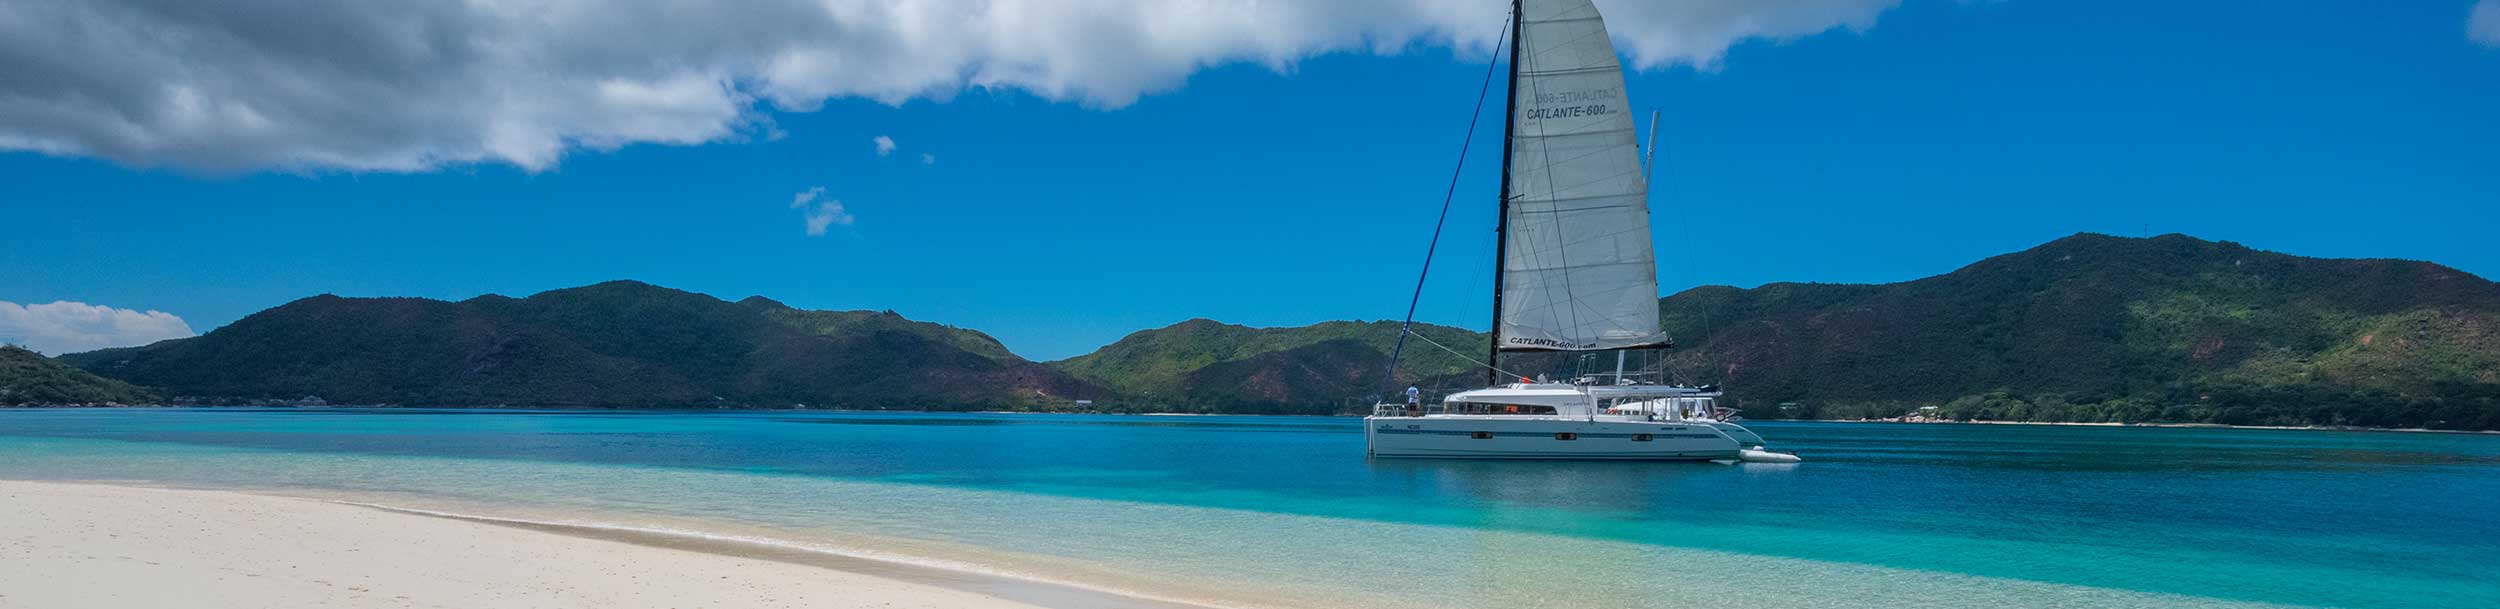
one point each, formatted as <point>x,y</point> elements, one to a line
<point>1459,437</point>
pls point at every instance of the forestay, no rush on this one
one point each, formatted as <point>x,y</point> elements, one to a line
<point>1578,272</point>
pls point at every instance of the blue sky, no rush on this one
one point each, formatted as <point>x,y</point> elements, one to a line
<point>1938,134</point>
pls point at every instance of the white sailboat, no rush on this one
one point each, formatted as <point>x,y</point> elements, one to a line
<point>1578,273</point>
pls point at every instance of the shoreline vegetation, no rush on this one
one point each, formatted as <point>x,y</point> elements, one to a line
<point>1913,421</point>
<point>2088,328</point>
<point>80,543</point>
<point>1906,419</point>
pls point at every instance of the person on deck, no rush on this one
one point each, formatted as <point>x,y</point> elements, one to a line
<point>1414,400</point>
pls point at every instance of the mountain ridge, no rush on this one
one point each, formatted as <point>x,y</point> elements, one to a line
<point>2095,318</point>
<point>1208,366</point>
<point>618,343</point>
<point>28,378</point>
<point>2088,328</point>
<point>2083,328</point>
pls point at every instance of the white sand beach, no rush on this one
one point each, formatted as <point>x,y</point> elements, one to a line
<point>112,547</point>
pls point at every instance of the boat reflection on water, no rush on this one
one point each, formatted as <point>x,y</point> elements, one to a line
<point>1628,488</point>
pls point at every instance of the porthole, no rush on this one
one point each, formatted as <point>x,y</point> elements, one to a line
<point>1640,437</point>
<point>1566,436</point>
<point>1481,435</point>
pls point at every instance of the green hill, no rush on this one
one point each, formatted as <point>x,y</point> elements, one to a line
<point>28,378</point>
<point>2099,328</point>
<point>617,344</point>
<point>2086,328</point>
<point>840,323</point>
<point>1205,366</point>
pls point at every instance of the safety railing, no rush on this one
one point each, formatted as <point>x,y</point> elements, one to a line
<point>1402,410</point>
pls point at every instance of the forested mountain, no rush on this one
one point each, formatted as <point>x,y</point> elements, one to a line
<point>1206,366</point>
<point>2086,328</point>
<point>617,344</point>
<point>2095,328</point>
<point>28,378</point>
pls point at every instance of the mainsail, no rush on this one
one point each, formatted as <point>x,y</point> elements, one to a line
<point>1578,272</point>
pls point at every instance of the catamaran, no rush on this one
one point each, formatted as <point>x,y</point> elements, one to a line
<point>1577,274</point>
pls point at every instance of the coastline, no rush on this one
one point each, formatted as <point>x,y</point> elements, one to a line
<point>1279,551</point>
<point>1200,414</point>
<point>78,543</point>
<point>2162,425</point>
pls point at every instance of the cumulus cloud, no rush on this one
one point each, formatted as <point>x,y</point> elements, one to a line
<point>819,212</point>
<point>392,85</point>
<point>2484,26</point>
<point>928,159</point>
<point>72,327</point>
<point>885,145</point>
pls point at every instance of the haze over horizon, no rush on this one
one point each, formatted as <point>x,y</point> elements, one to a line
<point>1061,178</point>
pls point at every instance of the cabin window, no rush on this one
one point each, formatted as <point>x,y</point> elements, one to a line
<point>1500,409</point>
<point>1566,436</point>
<point>1640,437</point>
<point>1481,435</point>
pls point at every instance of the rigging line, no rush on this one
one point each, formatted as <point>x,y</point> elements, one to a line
<point>1601,31</point>
<point>1534,249</point>
<point>1389,378</point>
<point>1530,241</point>
<point>1428,340</point>
<point>1545,154</point>
<point>1467,308</point>
<point>1594,153</point>
<point>1501,221</point>
<point>1692,271</point>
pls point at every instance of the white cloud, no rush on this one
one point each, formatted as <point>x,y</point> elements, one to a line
<point>819,212</point>
<point>2484,26</point>
<point>72,327</point>
<point>928,159</point>
<point>389,85</point>
<point>885,145</point>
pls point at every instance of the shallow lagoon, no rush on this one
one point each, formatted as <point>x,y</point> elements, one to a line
<point>1285,511</point>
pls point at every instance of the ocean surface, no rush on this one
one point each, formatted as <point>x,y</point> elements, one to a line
<point>1287,512</point>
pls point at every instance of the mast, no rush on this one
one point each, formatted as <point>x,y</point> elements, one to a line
<point>1650,152</point>
<point>1501,222</point>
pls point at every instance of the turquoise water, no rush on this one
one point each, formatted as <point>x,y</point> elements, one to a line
<point>1286,512</point>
